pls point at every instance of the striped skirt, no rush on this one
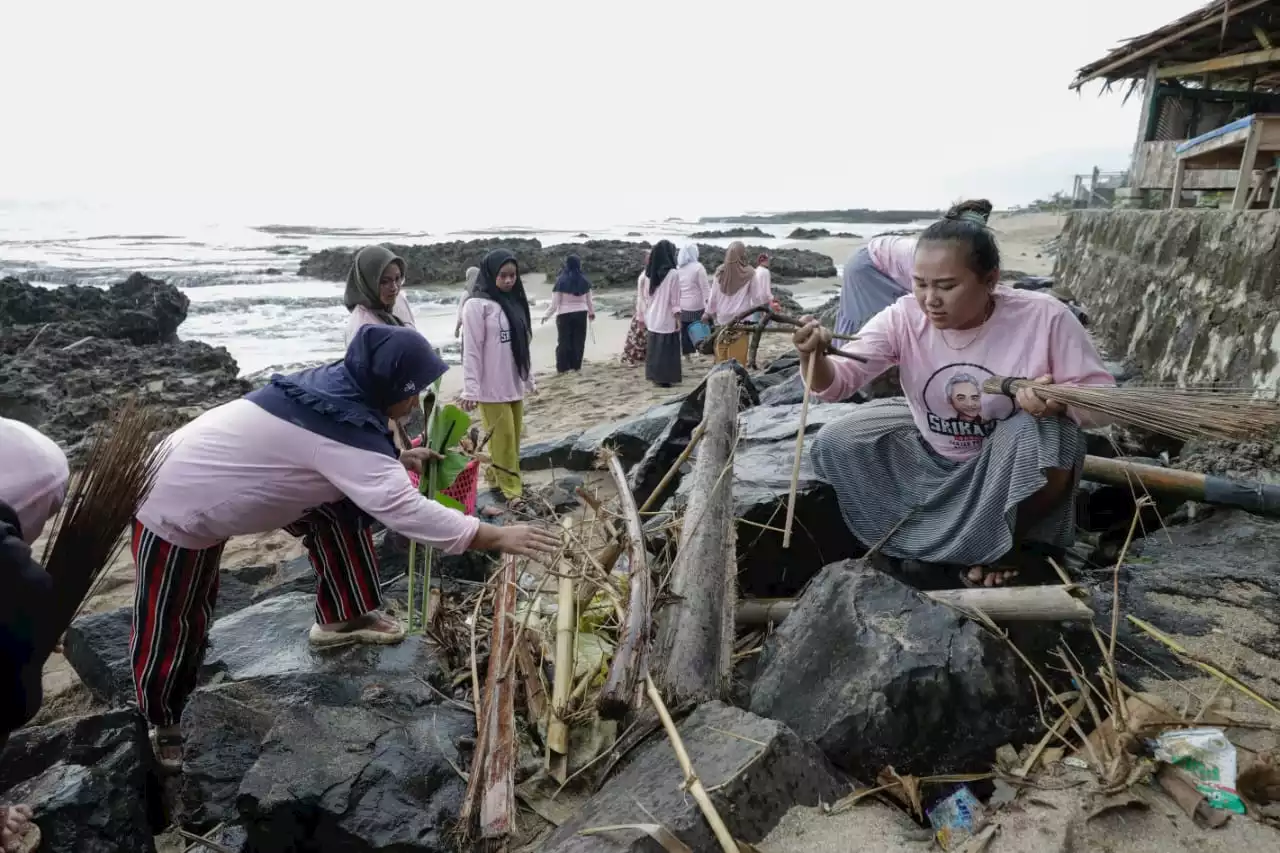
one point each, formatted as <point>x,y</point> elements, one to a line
<point>960,513</point>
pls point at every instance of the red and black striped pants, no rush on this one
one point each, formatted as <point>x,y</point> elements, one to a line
<point>177,589</point>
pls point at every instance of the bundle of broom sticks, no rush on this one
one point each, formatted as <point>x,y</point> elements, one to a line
<point>99,508</point>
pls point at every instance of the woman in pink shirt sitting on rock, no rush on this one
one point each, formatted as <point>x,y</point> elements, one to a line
<point>309,453</point>
<point>662,317</point>
<point>496,367</point>
<point>953,475</point>
<point>573,308</point>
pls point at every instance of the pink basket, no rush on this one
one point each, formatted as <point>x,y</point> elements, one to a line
<point>464,487</point>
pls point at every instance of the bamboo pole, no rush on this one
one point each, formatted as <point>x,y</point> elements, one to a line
<point>562,681</point>
<point>691,781</point>
<point>1001,604</point>
<point>795,468</point>
<point>630,655</point>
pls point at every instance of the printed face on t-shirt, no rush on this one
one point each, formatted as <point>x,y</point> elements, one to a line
<point>956,406</point>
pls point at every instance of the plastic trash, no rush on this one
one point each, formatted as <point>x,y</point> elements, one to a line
<point>1210,757</point>
<point>956,819</point>
<point>699,332</point>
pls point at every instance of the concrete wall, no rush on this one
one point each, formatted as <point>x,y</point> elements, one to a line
<point>1191,295</point>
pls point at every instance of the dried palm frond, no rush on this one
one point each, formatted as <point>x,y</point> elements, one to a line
<point>88,533</point>
<point>1186,412</point>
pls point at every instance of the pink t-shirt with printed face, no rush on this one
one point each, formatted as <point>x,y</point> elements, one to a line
<point>1028,335</point>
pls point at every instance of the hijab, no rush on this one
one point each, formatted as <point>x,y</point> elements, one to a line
<point>472,274</point>
<point>347,401</point>
<point>688,255</point>
<point>33,476</point>
<point>735,273</point>
<point>514,304</point>
<point>571,280</point>
<point>367,268</point>
<point>662,260</point>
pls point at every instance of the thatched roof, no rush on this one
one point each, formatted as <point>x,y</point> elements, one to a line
<point>1232,41</point>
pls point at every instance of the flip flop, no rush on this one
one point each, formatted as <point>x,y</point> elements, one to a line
<point>159,742</point>
<point>322,639</point>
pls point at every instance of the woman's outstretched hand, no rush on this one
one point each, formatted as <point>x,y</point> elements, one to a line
<point>526,541</point>
<point>1033,404</point>
<point>466,405</point>
<point>811,337</point>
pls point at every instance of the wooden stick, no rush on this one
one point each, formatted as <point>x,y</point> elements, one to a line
<point>779,330</point>
<point>691,781</point>
<point>562,681</point>
<point>535,695</point>
<point>1002,604</point>
<point>498,802</point>
<point>693,651</point>
<point>658,490</point>
<point>795,468</point>
<point>630,657</point>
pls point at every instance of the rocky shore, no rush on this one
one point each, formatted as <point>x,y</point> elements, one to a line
<point>609,263</point>
<point>71,355</point>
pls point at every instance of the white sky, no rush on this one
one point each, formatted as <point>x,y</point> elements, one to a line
<point>505,112</point>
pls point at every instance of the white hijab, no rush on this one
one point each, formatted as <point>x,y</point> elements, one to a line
<point>33,476</point>
<point>688,255</point>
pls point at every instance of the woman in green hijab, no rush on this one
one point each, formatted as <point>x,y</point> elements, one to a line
<point>374,291</point>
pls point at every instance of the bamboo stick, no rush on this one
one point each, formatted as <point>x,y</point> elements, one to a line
<point>691,781</point>
<point>630,655</point>
<point>780,330</point>
<point>656,494</point>
<point>562,681</point>
<point>1002,604</point>
<point>795,468</point>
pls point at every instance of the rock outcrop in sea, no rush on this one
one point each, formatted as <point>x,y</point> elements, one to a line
<point>73,354</point>
<point>608,263</point>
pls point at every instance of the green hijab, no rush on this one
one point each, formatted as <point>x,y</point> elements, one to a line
<point>367,268</point>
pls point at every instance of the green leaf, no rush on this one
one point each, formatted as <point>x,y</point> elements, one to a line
<point>448,469</point>
<point>447,428</point>
<point>445,500</point>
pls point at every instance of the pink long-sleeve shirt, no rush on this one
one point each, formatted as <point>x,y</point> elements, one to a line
<point>489,373</point>
<point>642,294</point>
<point>33,476</point>
<point>568,303</point>
<point>238,470</point>
<point>662,314</point>
<point>895,256</point>
<point>362,316</point>
<point>1028,335</point>
<point>724,308</point>
<point>695,287</point>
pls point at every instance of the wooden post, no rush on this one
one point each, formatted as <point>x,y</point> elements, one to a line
<point>694,648</point>
<point>1146,121</point>
<point>1179,177</point>
<point>1240,201</point>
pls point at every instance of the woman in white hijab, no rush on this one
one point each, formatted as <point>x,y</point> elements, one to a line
<point>695,288</point>
<point>33,485</point>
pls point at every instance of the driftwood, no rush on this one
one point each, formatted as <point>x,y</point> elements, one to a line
<point>562,681</point>
<point>1260,498</point>
<point>630,658</point>
<point>1002,604</point>
<point>492,782</point>
<point>695,635</point>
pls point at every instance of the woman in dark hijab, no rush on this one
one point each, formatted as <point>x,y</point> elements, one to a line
<point>496,370</point>
<point>375,290</point>
<point>662,317</point>
<point>573,308</point>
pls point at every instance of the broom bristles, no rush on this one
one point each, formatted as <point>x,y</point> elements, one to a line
<point>1188,411</point>
<point>89,531</point>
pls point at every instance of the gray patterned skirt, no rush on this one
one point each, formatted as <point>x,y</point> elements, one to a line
<point>960,513</point>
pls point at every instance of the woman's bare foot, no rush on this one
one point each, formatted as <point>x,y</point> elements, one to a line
<point>15,823</point>
<point>374,627</point>
<point>988,577</point>
<point>166,743</point>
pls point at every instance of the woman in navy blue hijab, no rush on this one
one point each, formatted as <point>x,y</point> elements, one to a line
<point>573,308</point>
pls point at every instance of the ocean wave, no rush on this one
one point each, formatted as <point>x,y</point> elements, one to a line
<point>334,231</point>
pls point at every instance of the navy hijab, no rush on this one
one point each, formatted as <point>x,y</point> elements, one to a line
<point>571,280</point>
<point>347,401</point>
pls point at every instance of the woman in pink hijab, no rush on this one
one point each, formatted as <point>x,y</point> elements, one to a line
<point>33,485</point>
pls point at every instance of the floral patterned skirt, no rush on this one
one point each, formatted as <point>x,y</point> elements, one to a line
<point>637,345</point>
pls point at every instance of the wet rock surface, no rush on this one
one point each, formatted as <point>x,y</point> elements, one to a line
<point>754,768</point>
<point>87,780</point>
<point>72,354</point>
<point>876,675</point>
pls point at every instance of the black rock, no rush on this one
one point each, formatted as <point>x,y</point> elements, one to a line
<point>552,453</point>
<point>876,675</point>
<point>435,263</point>
<point>139,310</point>
<point>222,738</point>
<point>785,264</point>
<point>630,438</point>
<point>89,781</point>
<point>731,233</point>
<point>97,647</point>
<point>393,560</point>
<point>756,770</point>
<point>357,780</point>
